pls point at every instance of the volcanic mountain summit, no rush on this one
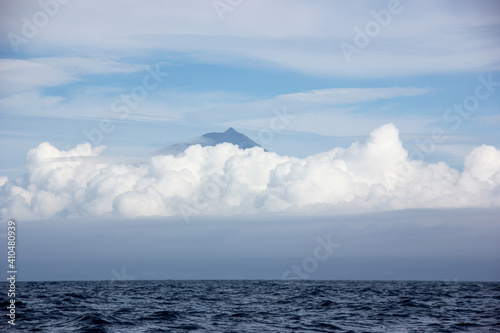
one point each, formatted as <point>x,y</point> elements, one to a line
<point>212,139</point>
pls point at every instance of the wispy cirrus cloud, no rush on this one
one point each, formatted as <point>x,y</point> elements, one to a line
<point>424,38</point>
<point>19,76</point>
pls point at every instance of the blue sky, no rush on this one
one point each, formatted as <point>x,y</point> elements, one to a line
<point>233,72</point>
<point>305,79</point>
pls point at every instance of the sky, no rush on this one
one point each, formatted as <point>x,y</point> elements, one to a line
<point>365,108</point>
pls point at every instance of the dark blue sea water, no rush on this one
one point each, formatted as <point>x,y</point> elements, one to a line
<point>255,306</point>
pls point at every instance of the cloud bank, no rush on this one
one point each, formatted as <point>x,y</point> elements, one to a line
<point>225,180</point>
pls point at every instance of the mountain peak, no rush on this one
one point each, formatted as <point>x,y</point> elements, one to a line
<point>214,138</point>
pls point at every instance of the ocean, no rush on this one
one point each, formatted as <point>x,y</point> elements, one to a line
<point>254,306</point>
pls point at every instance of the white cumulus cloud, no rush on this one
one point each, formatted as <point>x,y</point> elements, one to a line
<point>226,180</point>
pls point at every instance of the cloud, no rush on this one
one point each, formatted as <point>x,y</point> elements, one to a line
<point>341,96</point>
<point>323,111</point>
<point>29,102</point>
<point>23,75</point>
<point>295,35</point>
<point>225,180</point>
<point>20,76</point>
